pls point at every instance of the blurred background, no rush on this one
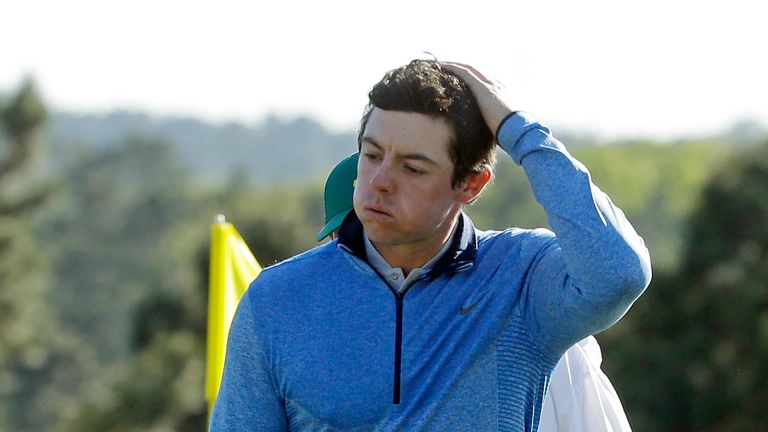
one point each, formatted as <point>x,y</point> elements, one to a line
<point>126,126</point>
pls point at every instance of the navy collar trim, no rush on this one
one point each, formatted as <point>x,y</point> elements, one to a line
<point>460,256</point>
<point>351,236</point>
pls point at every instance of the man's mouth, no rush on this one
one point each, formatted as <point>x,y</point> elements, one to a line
<point>377,213</point>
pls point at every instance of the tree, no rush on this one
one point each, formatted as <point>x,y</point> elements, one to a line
<point>114,211</point>
<point>126,229</point>
<point>27,326</point>
<point>726,268</point>
<point>692,354</point>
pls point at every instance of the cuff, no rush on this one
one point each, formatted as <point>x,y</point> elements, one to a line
<point>511,132</point>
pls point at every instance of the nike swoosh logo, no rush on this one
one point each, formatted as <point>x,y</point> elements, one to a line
<point>466,310</point>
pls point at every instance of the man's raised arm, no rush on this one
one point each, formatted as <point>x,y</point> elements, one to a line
<point>587,278</point>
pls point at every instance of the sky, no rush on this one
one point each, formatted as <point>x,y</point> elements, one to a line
<point>612,68</point>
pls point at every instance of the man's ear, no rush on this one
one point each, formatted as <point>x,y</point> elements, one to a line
<point>475,183</point>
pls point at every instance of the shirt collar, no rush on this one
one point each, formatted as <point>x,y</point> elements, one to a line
<point>459,253</point>
<point>394,275</point>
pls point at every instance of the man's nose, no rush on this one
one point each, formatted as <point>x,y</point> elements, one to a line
<point>382,180</point>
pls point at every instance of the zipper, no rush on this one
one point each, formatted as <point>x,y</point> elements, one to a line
<point>398,364</point>
<point>398,347</point>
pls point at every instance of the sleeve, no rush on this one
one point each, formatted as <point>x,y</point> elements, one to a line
<point>597,266</point>
<point>247,399</point>
<point>580,397</point>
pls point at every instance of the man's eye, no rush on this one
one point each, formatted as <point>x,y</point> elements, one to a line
<point>371,156</point>
<point>413,170</point>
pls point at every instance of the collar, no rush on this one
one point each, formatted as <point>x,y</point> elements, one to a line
<point>459,256</point>
<point>394,275</point>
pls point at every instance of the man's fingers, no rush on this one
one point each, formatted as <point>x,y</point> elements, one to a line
<point>487,92</point>
<point>461,68</point>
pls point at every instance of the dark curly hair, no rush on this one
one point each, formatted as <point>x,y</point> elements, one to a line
<point>424,87</point>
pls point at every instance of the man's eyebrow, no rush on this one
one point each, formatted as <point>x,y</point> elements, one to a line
<point>372,142</point>
<point>413,156</point>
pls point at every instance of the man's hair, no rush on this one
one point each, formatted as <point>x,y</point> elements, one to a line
<point>424,87</point>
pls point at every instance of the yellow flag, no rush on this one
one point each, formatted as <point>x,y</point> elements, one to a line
<point>233,268</point>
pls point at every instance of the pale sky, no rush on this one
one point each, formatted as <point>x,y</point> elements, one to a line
<point>616,68</point>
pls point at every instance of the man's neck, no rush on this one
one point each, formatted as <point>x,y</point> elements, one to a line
<point>415,255</point>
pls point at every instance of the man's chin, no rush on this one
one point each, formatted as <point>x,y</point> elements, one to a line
<point>379,234</point>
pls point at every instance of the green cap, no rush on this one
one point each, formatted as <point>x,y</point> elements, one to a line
<point>339,189</point>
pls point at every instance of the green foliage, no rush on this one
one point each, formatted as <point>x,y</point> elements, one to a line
<point>108,228</point>
<point>124,232</point>
<point>25,113</point>
<point>692,354</point>
<point>27,330</point>
<point>278,221</point>
<point>657,187</point>
<point>159,389</point>
<point>727,261</point>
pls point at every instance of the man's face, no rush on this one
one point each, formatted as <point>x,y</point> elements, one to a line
<point>403,194</point>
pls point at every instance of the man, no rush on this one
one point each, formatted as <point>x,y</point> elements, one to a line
<point>413,319</point>
<point>580,396</point>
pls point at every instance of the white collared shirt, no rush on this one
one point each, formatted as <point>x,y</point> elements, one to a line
<point>394,275</point>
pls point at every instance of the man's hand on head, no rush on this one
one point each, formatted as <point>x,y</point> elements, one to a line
<point>489,93</point>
